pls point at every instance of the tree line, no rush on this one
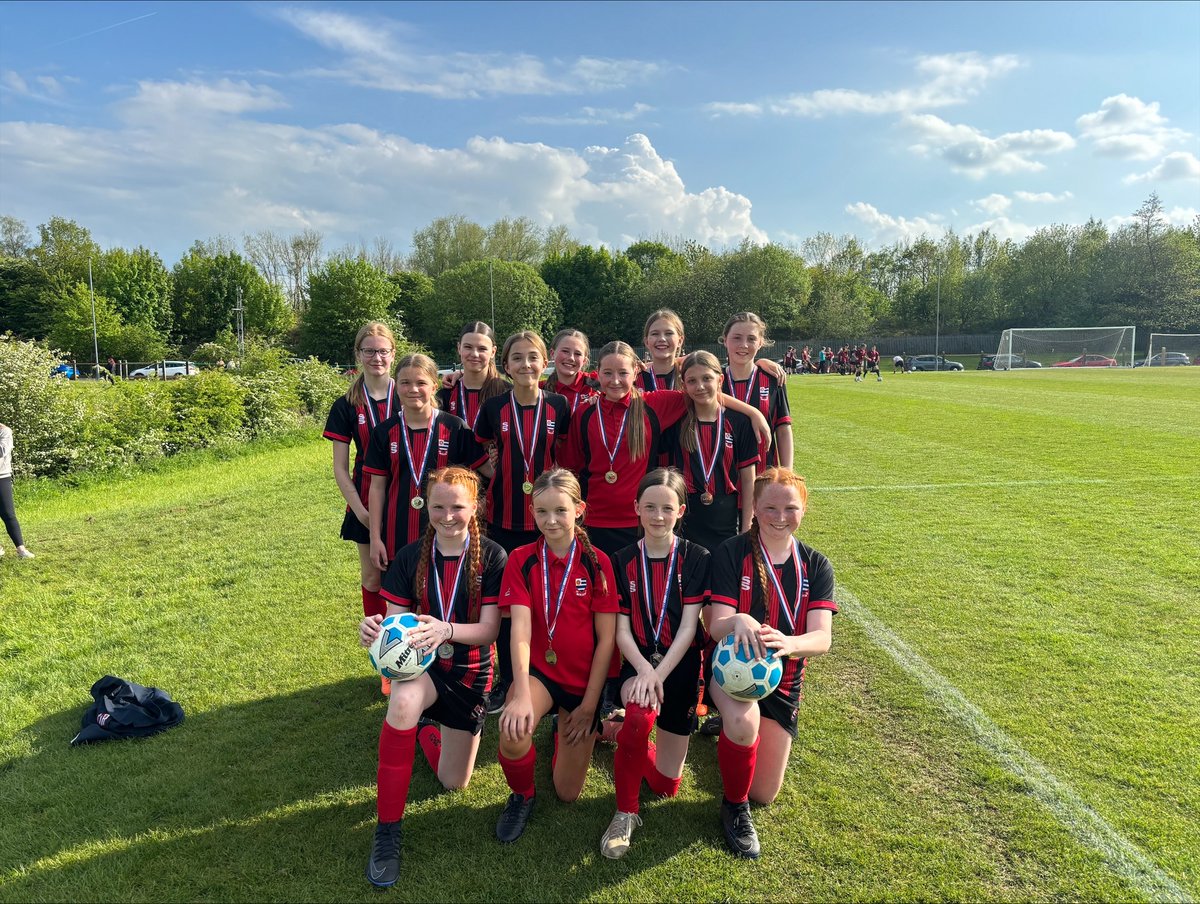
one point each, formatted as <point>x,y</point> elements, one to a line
<point>517,275</point>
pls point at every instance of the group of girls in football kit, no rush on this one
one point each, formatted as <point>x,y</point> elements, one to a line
<point>598,528</point>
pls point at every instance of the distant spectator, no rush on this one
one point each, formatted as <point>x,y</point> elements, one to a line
<point>220,364</point>
<point>8,513</point>
<point>897,364</point>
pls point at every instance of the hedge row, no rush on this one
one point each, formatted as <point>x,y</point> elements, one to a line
<point>62,427</point>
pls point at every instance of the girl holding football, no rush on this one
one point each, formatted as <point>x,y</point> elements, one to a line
<point>451,579</point>
<point>774,594</point>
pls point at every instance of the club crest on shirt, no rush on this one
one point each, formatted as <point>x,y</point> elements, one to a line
<point>549,426</point>
<point>764,392</point>
<point>443,446</point>
<point>745,582</point>
<point>395,447</point>
<point>362,418</point>
<point>581,586</point>
<point>728,440</point>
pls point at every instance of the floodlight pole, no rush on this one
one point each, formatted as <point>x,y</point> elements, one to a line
<point>937,322</point>
<point>492,292</point>
<point>95,337</point>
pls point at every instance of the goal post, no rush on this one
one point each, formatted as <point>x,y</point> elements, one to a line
<point>1076,346</point>
<point>1172,349</point>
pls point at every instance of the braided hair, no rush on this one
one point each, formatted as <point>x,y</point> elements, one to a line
<point>468,479</point>
<point>761,482</point>
<point>567,482</point>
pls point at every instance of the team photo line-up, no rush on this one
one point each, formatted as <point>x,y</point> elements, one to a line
<point>575,545</point>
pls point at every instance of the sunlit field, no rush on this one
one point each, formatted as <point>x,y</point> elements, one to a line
<point>1008,711</point>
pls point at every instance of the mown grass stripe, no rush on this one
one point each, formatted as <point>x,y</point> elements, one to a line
<point>1126,859</point>
<point>972,484</point>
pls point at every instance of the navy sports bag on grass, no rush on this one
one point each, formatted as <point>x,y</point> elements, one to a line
<point>126,710</point>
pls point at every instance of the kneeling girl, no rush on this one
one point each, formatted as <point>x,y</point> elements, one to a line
<point>451,579</point>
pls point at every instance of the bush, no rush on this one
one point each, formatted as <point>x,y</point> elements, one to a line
<point>271,401</point>
<point>204,408</point>
<point>44,413</point>
<point>126,423</point>
<point>319,386</point>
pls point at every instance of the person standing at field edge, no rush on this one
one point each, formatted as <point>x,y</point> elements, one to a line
<point>8,513</point>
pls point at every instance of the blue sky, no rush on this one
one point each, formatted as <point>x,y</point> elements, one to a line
<point>161,123</point>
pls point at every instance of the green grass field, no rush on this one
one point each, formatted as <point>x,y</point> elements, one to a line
<point>1009,711</point>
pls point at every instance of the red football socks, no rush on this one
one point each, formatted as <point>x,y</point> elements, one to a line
<point>630,761</point>
<point>737,768</point>
<point>373,603</point>
<point>519,773</point>
<point>430,739</point>
<point>661,785</point>
<point>396,751</point>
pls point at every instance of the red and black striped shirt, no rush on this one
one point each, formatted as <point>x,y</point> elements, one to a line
<point>452,444</point>
<point>735,583</point>
<point>469,666</point>
<point>689,582</point>
<point>769,396</point>
<point>508,505</point>
<point>577,392</point>
<point>738,449</point>
<point>351,424</point>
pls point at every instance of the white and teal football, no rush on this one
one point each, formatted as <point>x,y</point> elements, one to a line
<point>742,677</point>
<point>392,656</point>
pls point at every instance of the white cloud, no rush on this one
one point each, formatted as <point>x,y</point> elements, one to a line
<point>1176,216</point>
<point>387,55</point>
<point>1042,197</point>
<point>969,151</point>
<point>181,176</point>
<point>886,228</point>
<point>44,88</point>
<point>1128,128</point>
<point>994,204</point>
<point>1181,165</point>
<point>947,80</point>
<point>592,116</point>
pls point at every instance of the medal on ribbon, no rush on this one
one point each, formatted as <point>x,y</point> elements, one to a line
<point>610,476</point>
<point>527,456</point>
<point>417,476</point>
<point>790,609</point>
<point>648,592</point>
<point>707,468</point>
<point>372,414</point>
<point>552,622</point>
<point>749,384</point>
<point>446,603</point>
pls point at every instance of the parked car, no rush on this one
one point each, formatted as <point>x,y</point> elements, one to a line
<point>931,362</point>
<point>1088,361</point>
<point>169,369</point>
<point>1173,359</point>
<point>1005,362</point>
<point>64,370</point>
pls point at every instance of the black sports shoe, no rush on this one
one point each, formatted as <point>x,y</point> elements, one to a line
<point>740,836</point>
<point>383,869</point>
<point>495,698</point>
<point>513,818</point>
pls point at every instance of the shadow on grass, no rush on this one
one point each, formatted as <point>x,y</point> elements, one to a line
<point>274,799</point>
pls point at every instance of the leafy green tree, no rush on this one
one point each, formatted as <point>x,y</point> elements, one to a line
<point>63,252</point>
<point>514,240</point>
<point>24,287</point>
<point>771,281</point>
<point>342,295</point>
<point>656,260</point>
<point>699,294</point>
<point>447,242</point>
<point>71,323</point>
<point>522,301</point>
<point>205,293</point>
<point>598,293</point>
<point>139,284</point>
<point>14,237</point>
<point>411,291</point>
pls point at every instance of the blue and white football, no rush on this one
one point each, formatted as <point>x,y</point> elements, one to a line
<point>392,656</point>
<point>740,676</point>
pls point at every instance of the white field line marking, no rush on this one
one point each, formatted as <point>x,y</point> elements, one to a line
<point>972,484</point>
<point>1125,858</point>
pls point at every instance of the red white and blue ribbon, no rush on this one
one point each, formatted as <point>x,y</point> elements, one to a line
<point>417,476</point>
<point>552,623</point>
<point>706,469</point>
<point>446,603</point>
<point>372,414</point>
<point>790,610</point>
<point>612,456</point>
<point>648,587</point>
<point>527,457</point>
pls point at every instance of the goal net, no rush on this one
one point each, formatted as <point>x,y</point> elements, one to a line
<point>1172,349</point>
<point>1081,346</point>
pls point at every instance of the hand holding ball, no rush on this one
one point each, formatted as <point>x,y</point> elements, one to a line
<point>742,676</point>
<point>393,654</point>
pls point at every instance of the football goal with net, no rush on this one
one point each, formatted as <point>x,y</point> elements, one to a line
<point>1172,349</point>
<point>1081,346</point>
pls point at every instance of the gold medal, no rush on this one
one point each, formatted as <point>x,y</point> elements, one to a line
<point>446,651</point>
<point>657,657</point>
<point>610,477</point>
<point>706,498</point>
<point>551,657</point>
<point>417,502</point>
<point>527,487</point>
